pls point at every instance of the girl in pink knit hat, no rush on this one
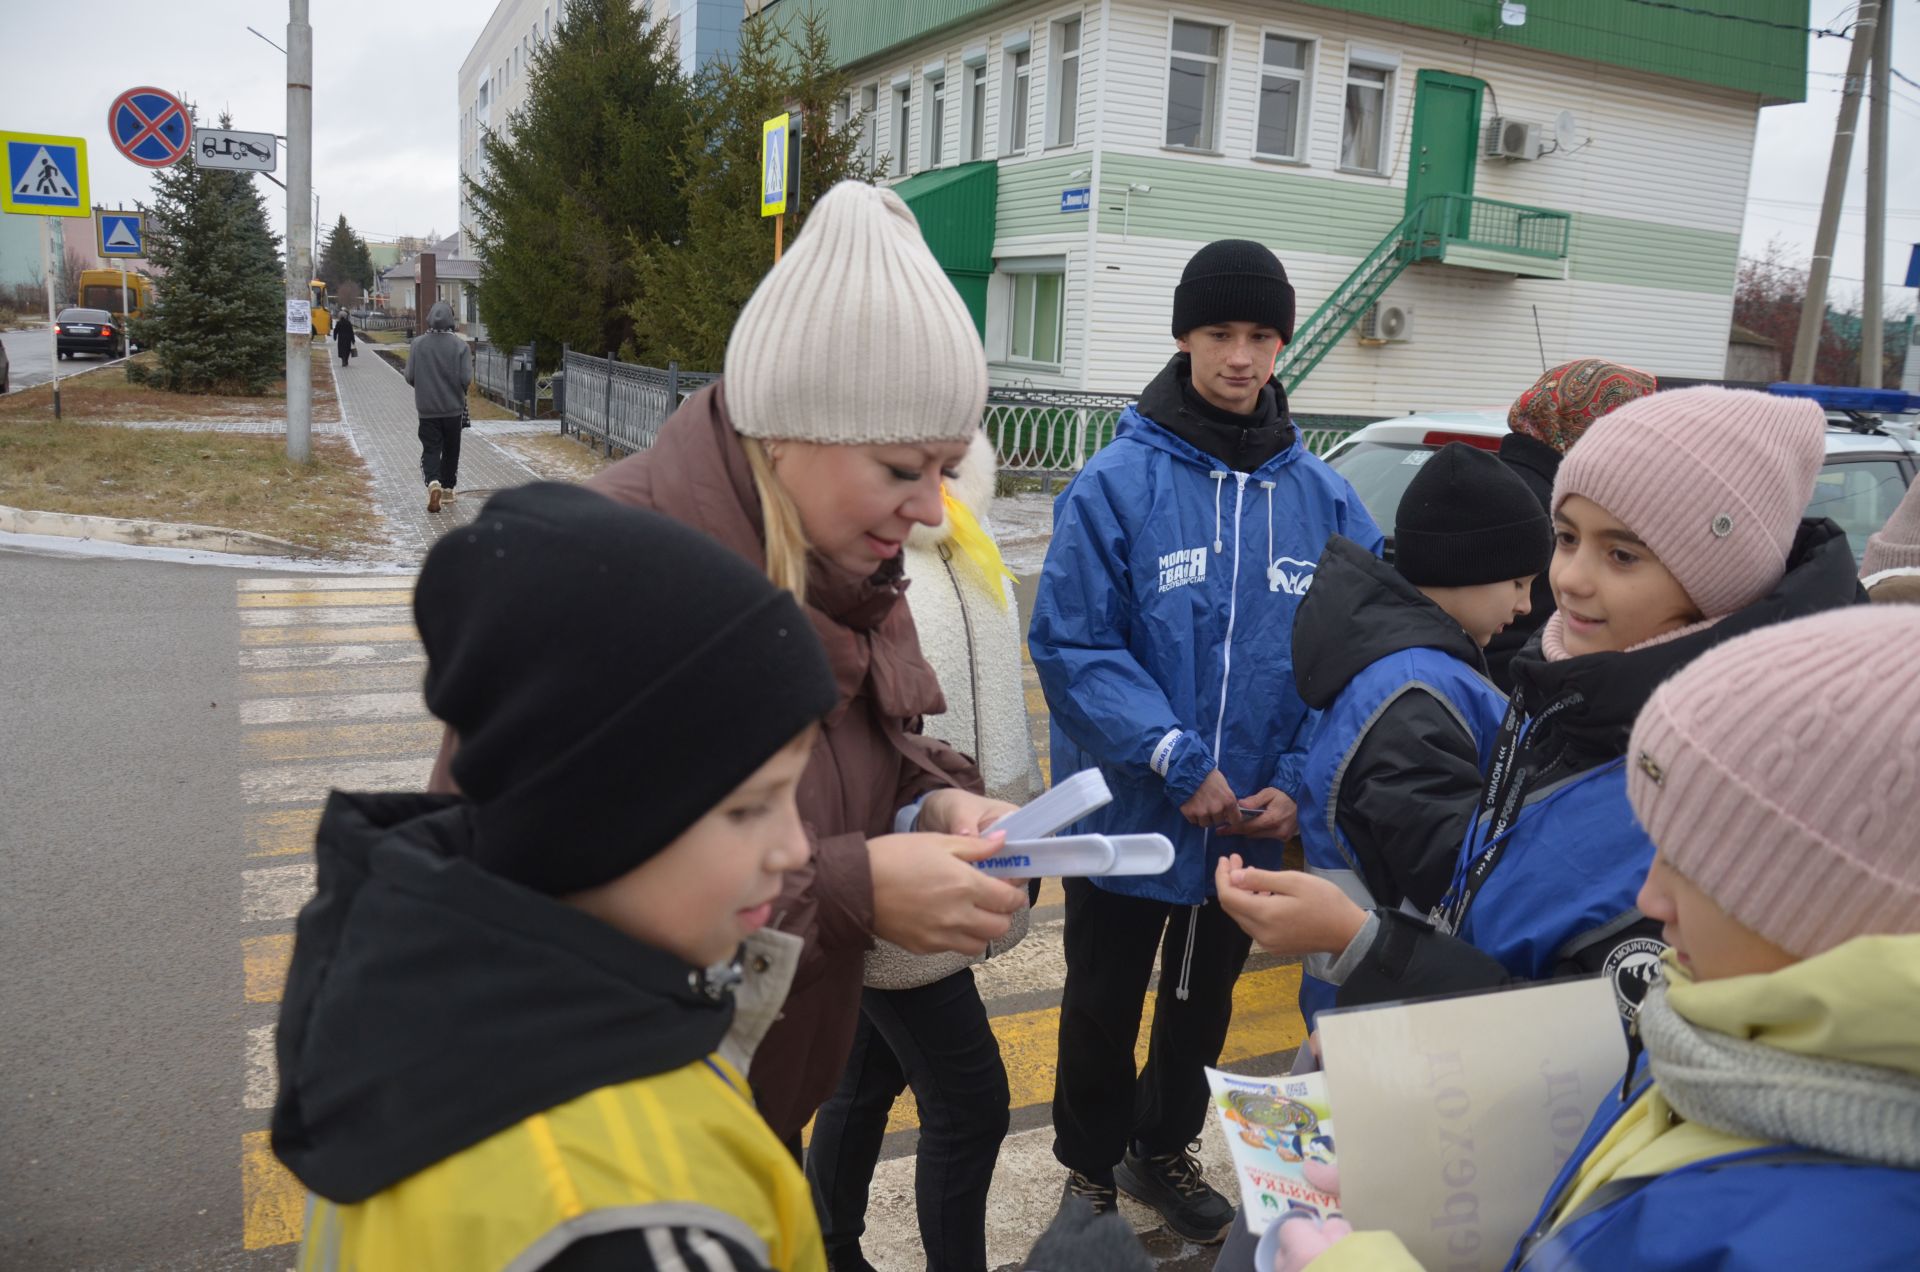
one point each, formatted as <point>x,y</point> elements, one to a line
<point>1774,1118</point>
<point>1679,526</point>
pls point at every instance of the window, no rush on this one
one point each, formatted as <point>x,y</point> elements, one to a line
<point>1019,78</point>
<point>1363,128</point>
<point>902,126</point>
<point>933,146</point>
<point>1858,494</point>
<point>869,116</point>
<point>1033,292</point>
<point>1066,82</point>
<point>977,111</point>
<point>1193,85</point>
<point>1281,127</point>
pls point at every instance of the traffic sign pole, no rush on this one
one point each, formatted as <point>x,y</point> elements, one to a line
<point>53,327</point>
<point>299,209</point>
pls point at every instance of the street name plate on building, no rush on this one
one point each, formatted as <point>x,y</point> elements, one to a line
<point>1078,199</point>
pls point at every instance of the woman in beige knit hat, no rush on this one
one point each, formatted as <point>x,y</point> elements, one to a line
<point>854,383</point>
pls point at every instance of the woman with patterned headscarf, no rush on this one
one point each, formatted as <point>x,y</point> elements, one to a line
<point>1546,420</point>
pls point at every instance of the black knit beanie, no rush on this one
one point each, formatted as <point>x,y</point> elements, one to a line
<point>1233,280</point>
<point>1468,519</point>
<point>612,675</point>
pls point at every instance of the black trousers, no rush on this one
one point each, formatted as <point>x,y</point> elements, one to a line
<point>440,450</point>
<point>1099,1104</point>
<point>935,1039</point>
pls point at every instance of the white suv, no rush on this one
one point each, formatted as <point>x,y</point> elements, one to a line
<point>1869,465</point>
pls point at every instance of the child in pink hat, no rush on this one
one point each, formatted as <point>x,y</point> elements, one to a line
<point>1774,1120</point>
<point>1678,523</point>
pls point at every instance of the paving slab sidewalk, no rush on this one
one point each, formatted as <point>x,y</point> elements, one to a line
<point>377,404</point>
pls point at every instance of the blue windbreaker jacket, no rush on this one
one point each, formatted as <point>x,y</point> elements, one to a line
<point>1163,633</point>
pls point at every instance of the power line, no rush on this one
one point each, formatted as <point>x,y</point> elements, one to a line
<point>1740,17</point>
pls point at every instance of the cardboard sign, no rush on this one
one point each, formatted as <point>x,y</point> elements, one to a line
<point>1457,1113</point>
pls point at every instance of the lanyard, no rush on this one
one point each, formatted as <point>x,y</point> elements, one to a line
<point>1506,787</point>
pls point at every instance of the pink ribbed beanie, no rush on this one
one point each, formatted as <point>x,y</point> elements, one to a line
<point>1791,801</point>
<point>1897,544</point>
<point>1715,481</point>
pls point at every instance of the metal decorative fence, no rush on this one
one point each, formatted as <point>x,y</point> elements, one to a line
<point>619,404</point>
<point>1044,432</point>
<point>491,368</point>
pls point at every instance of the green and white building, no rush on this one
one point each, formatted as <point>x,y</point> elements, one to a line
<point>1458,188</point>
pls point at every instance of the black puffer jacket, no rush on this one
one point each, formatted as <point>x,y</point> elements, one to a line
<point>1535,463</point>
<point>1409,792</point>
<point>1585,708</point>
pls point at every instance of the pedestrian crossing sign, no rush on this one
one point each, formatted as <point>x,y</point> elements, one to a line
<point>121,234</point>
<point>45,176</point>
<point>776,136</point>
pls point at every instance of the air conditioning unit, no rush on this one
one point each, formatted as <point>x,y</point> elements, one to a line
<point>1512,139</point>
<point>1387,323</point>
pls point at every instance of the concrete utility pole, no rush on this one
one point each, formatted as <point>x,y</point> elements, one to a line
<point>1872,332</point>
<point>299,212</point>
<point>1813,311</point>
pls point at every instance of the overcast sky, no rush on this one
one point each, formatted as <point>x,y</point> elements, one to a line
<point>385,114</point>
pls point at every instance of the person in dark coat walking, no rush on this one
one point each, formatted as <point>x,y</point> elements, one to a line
<point>1545,421</point>
<point>343,337</point>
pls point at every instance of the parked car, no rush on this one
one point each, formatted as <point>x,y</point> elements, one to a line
<point>1870,463</point>
<point>6,371</point>
<point>88,331</point>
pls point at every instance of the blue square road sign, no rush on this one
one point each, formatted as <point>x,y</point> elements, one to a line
<point>45,175</point>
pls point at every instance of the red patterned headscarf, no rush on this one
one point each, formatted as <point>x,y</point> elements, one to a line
<point>1564,401</point>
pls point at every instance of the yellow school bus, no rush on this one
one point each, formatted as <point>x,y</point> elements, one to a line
<point>322,320</point>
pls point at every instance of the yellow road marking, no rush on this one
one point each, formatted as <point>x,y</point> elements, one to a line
<point>364,679</point>
<point>272,1200</point>
<point>264,962</point>
<point>281,832</point>
<point>282,600</point>
<point>317,742</point>
<point>326,635</point>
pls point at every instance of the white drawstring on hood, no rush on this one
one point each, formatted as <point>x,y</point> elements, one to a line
<point>1219,484</point>
<point>1273,576</point>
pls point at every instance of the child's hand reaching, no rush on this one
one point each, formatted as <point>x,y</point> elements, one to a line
<point>1287,911</point>
<point>1304,1237</point>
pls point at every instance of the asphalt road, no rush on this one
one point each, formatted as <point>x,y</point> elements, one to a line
<point>30,357</point>
<point>120,882</point>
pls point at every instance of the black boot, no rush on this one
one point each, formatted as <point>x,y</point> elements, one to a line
<point>1173,1184</point>
<point>1099,1193</point>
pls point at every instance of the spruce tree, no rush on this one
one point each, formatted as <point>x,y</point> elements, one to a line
<point>581,172</point>
<point>218,322</point>
<point>345,258</point>
<point>690,288</point>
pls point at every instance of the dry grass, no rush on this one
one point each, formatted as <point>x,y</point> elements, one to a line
<point>238,481</point>
<point>103,395</point>
<point>555,457</point>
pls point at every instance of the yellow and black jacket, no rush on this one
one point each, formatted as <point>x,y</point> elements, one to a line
<point>475,1076</point>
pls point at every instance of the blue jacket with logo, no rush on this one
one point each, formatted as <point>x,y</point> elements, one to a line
<point>1162,630</point>
<point>1560,896</point>
<point>1408,721</point>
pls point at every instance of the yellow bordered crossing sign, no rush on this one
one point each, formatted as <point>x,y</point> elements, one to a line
<point>779,165</point>
<point>45,175</point>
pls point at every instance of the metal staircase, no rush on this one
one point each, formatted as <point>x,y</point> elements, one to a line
<point>1424,234</point>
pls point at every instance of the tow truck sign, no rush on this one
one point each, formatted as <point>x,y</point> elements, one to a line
<point>241,151</point>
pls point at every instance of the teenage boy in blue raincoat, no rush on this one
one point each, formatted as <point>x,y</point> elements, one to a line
<point>1162,634</point>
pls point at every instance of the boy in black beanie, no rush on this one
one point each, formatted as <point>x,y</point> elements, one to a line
<point>1392,658</point>
<point>501,1042</point>
<point>1179,556</point>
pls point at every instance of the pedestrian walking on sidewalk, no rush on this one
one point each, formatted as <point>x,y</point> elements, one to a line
<point>1180,556</point>
<point>343,338</point>
<point>440,367</point>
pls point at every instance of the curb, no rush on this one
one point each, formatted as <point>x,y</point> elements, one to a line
<point>151,534</point>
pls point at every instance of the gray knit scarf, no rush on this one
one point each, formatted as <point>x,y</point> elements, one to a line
<point>1759,1092</point>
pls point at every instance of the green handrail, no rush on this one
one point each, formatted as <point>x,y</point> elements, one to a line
<point>1422,235</point>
